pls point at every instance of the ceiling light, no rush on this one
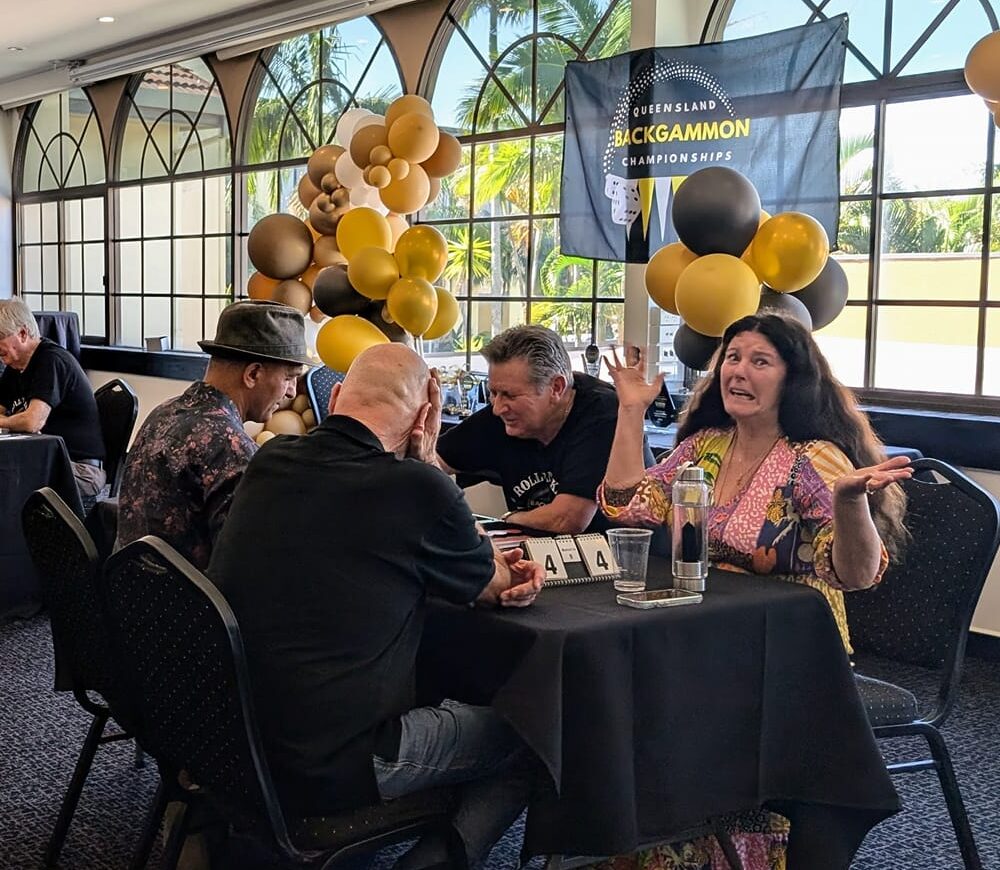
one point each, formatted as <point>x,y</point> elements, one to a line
<point>14,48</point>
<point>106,19</point>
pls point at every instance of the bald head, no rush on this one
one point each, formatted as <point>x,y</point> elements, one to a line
<point>385,388</point>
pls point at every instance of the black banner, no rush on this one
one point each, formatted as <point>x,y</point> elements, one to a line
<point>638,124</point>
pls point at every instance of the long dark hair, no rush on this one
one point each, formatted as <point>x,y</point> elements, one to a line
<point>814,406</point>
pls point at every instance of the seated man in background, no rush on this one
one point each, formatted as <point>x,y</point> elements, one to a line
<point>333,543</point>
<point>43,389</point>
<point>546,437</point>
<point>192,450</point>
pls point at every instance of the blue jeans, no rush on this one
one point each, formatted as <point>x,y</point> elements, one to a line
<point>454,744</point>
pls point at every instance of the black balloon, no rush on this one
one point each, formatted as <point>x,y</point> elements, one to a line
<point>373,313</point>
<point>785,303</point>
<point>826,296</point>
<point>694,349</point>
<point>716,211</point>
<point>334,295</point>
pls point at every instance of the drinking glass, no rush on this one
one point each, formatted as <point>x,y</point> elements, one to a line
<point>631,551</point>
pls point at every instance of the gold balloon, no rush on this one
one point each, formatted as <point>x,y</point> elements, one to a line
<point>372,271</point>
<point>309,418</point>
<point>362,227</point>
<point>280,246</point>
<point>446,317</point>
<point>663,270</point>
<point>378,176</point>
<point>398,167</point>
<point>307,191</point>
<point>789,251</point>
<point>446,157</point>
<point>413,303</point>
<point>982,67</point>
<point>326,252</point>
<point>285,423</point>
<point>300,403</point>
<point>321,162</point>
<point>263,437</point>
<point>714,291</point>
<point>342,338</point>
<point>294,293</point>
<point>414,137</point>
<point>260,286</point>
<point>407,195</point>
<point>381,155</point>
<point>422,252</point>
<point>407,103</point>
<point>364,140</point>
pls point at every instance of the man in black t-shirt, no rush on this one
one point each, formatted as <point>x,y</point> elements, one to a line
<point>333,542</point>
<point>43,389</point>
<point>546,436</point>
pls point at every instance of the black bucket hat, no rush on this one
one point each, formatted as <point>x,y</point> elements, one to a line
<point>260,330</point>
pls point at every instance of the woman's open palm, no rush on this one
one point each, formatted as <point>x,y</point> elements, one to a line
<point>634,391</point>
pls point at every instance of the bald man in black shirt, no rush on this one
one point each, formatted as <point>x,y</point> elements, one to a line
<point>332,544</point>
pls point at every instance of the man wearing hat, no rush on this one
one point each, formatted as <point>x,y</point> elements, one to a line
<point>192,450</point>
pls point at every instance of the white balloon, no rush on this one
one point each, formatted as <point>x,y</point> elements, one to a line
<point>348,121</point>
<point>348,173</point>
<point>360,194</point>
<point>367,120</point>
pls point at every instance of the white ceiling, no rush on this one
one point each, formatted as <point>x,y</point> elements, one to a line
<point>51,32</point>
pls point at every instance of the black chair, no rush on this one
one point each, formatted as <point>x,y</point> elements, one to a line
<point>67,563</point>
<point>920,615</point>
<point>184,666</point>
<point>319,385</point>
<point>117,407</point>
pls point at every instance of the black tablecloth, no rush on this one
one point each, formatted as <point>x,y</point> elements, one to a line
<point>27,462</point>
<point>653,721</point>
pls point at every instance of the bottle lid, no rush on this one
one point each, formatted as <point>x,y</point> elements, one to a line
<point>692,474</point>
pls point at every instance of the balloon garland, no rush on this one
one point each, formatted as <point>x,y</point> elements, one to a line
<point>734,259</point>
<point>355,266</point>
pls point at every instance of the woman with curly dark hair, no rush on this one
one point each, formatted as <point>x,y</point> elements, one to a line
<point>802,490</point>
<point>793,464</point>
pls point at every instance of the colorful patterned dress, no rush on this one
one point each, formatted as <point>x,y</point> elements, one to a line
<point>780,524</point>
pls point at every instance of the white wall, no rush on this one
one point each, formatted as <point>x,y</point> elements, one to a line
<point>987,616</point>
<point>151,391</point>
<point>8,135</point>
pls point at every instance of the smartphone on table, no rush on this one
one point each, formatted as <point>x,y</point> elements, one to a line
<point>659,598</point>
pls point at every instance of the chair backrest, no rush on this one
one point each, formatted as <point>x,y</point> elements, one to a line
<point>67,564</point>
<point>319,385</point>
<point>117,407</point>
<point>921,611</point>
<point>183,665</point>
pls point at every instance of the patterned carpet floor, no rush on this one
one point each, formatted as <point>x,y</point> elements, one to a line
<point>41,732</point>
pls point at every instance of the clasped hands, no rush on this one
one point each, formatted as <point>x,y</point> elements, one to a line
<point>526,578</point>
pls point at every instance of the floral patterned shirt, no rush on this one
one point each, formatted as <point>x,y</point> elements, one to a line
<point>780,523</point>
<point>181,472</point>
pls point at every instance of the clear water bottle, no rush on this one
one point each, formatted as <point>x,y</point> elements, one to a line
<point>690,529</point>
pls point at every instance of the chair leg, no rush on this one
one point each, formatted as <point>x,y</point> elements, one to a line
<point>150,829</point>
<point>726,844</point>
<point>72,796</point>
<point>175,841</point>
<point>953,798</point>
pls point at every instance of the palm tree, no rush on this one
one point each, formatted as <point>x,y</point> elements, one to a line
<point>532,74</point>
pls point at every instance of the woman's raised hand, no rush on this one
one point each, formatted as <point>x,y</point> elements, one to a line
<point>634,391</point>
<point>865,481</point>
